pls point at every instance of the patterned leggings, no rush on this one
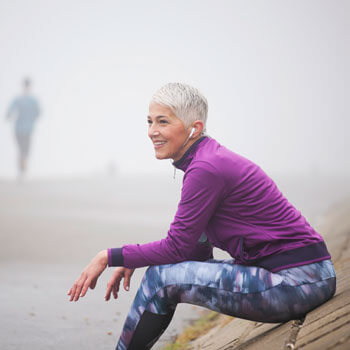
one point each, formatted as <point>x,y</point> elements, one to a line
<point>247,292</point>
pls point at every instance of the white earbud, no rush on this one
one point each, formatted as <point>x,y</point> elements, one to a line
<point>189,136</point>
<point>192,131</point>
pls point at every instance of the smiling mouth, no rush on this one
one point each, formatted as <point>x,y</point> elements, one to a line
<point>158,143</point>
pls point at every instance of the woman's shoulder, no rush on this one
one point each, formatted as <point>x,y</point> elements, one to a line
<point>215,162</point>
<point>213,155</point>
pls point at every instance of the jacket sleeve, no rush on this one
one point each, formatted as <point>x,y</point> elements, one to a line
<point>201,194</point>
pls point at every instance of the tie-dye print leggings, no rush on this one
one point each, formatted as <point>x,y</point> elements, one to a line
<point>247,292</point>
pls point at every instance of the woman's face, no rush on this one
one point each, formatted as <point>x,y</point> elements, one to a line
<point>167,132</point>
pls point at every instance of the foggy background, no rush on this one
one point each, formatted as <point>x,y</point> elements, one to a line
<point>276,77</point>
<point>275,74</point>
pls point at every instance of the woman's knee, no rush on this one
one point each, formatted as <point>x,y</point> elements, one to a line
<point>152,278</point>
<point>163,274</point>
<point>152,272</point>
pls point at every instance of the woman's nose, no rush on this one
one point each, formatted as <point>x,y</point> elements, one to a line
<point>153,131</point>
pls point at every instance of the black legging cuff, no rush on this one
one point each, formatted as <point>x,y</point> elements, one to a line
<point>149,329</point>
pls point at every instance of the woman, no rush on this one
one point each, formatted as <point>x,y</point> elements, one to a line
<point>281,268</point>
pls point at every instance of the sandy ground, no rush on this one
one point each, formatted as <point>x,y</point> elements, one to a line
<point>49,230</point>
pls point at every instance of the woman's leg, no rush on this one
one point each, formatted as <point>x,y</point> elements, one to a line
<point>150,327</point>
<point>251,293</point>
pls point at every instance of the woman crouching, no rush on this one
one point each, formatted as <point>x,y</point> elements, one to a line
<point>280,267</point>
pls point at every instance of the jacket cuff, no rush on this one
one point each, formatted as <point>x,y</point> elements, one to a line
<point>115,257</point>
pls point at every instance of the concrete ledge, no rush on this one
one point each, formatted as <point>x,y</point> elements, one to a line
<point>327,327</point>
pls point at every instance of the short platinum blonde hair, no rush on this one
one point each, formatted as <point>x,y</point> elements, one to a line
<point>185,101</point>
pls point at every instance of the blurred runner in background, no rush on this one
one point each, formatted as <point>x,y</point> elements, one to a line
<point>24,110</point>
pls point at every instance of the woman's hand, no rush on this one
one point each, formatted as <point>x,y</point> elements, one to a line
<point>114,282</point>
<point>89,276</point>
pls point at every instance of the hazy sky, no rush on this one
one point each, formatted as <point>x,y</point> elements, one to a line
<point>275,74</point>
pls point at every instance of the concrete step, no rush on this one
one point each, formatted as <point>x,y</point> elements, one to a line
<point>326,327</point>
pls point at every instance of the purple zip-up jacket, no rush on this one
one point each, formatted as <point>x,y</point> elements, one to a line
<point>240,210</point>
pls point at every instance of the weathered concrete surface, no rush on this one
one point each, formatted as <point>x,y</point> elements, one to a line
<point>327,327</point>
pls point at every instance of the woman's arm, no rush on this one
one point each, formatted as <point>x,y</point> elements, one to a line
<point>201,194</point>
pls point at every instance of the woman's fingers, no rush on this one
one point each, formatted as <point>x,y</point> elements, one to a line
<point>108,292</point>
<point>114,283</point>
<point>127,277</point>
<point>80,287</point>
<point>93,283</point>
<point>72,292</point>
<point>84,289</point>
<point>115,293</point>
<point>126,283</point>
<point>110,287</point>
<point>76,289</point>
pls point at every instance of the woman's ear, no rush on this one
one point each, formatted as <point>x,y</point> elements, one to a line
<point>198,127</point>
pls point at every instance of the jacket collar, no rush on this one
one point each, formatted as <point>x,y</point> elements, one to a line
<point>186,159</point>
